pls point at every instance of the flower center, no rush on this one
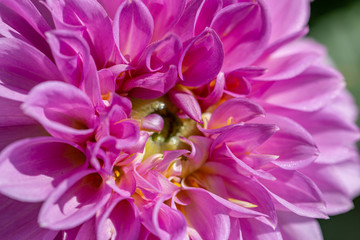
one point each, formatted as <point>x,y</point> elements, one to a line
<point>174,126</point>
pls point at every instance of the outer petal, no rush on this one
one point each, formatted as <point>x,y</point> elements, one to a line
<point>294,227</point>
<point>22,67</point>
<point>133,29</point>
<point>25,22</point>
<point>32,168</point>
<point>18,220</point>
<point>244,30</point>
<point>74,201</point>
<point>296,192</point>
<point>287,17</point>
<point>65,111</point>
<point>308,91</point>
<point>292,143</point>
<point>201,60</point>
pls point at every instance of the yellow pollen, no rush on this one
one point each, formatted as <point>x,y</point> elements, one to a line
<point>177,184</point>
<point>212,83</point>
<point>242,203</point>
<point>138,191</point>
<point>230,120</point>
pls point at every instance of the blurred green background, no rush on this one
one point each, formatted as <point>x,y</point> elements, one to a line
<point>336,24</point>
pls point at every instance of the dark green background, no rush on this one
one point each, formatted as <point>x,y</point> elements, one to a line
<point>336,23</point>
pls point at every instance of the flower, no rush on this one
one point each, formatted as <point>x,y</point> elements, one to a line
<point>154,119</point>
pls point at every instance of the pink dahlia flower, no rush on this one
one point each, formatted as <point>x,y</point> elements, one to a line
<point>170,119</point>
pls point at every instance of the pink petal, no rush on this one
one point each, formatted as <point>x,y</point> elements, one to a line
<point>294,227</point>
<point>292,143</point>
<point>165,14</point>
<point>132,28</point>
<point>64,110</point>
<point>32,168</point>
<point>236,110</point>
<point>111,6</point>
<point>201,60</point>
<point>309,91</point>
<point>208,10</point>
<point>215,95</point>
<point>185,101</point>
<point>24,21</point>
<point>72,55</point>
<point>244,30</point>
<point>287,17</point>
<point>22,67</point>
<point>151,85</point>
<point>119,220</point>
<point>252,228</point>
<point>297,193</point>
<point>74,201</point>
<point>90,16</point>
<point>19,220</point>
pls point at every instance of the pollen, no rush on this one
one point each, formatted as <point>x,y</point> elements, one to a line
<point>242,203</point>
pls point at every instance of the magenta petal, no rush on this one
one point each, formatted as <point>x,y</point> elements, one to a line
<point>214,96</point>
<point>185,101</point>
<point>18,220</point>
<point>235,110</point>
<point>165,14</point>
<point>151,85</point>
<point>207,13</point>
<point>22,20</point>
<point>297,193</point>
<point>64,110</point>
<point>32,168</point>
<point>295,227</point>
<point>92,18</point>
<point>22,67</point>
<point>72,56</point>
<point>74,201</point>
<point>244,30</point>
<point>153,122</point>
<point>111,6</point>
<point>132,28</point>
<point>120,220</point>
<point>202,59</point>
<point>254,229</point>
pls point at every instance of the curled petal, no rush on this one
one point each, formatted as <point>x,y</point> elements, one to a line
<point>201,60</point>
<point>133,29</point>
<point>235,110</point>
<point>64,110</point>
<point>185,100</point>
<point>121,218</point>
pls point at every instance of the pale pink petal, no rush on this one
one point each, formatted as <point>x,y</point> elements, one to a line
<point>296,192</point>
<point>294,227</point>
